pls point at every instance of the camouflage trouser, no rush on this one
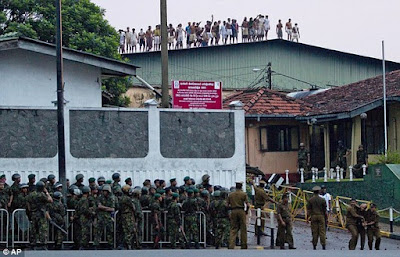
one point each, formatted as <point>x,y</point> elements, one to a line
<point>58,235</point>
<point>85,225</point>
<point>39,230</point>
<point>191,227</point>
<point>127,228</point>
<point>139,230</point>
<point>77,233</point>
<point>173,232</point>
<point>104,224</point>
<point>222,226</point>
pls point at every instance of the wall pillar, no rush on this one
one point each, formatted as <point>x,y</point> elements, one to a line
<point>327,145</point>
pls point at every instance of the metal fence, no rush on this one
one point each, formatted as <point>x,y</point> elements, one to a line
<point>20,228</point>
<point>4,225</point>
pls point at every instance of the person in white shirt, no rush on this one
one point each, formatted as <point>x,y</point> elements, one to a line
<point>267,27</point>
<point>179,37</point>
<point>134,40</point>
<point>128,39</point>
<point>121,41</point>
<point>261,27</point>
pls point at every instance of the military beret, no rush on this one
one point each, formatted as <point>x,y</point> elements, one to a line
<point>101,179</point>
<point>127,180</point>
<point>190,191</point>
<point>91,180</point>
<point>109,182</point>
<point>175,195</point>
<point>157,195</point>
<point>79,176</point>
<point>31,176</point>
<point>172,180</point>
<point>186,178</point>
<point>162,191</point>
<point>204,192</point>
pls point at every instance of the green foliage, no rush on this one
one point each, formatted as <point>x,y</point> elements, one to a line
<point>84,28</point>
<point>392,158</point>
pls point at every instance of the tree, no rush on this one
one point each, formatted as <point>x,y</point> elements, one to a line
<point>84,28</point>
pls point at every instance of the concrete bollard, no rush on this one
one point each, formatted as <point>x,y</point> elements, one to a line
<point>302,175</point>
<point>364,167</point>
<point>316,173</point>
<point>313,175</point>
<point>287,177</point>
<point>341,173</point>
<point>325,175</point>
<point>351,172</point>
<point>337,174</point>
<point>272,219</point>
<point>331,173</point>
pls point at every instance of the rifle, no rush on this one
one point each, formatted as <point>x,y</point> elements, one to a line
<point>47,215</point>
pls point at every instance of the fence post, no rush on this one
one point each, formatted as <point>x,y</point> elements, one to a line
<point>337,174</point>
<point>313,175</point>
<point>391,219</point>
<point>302,175</point>
<point>364,167</point>
<point>272,225</point>
<point>331,173</point>
<point>287,177</point>
<point>341,173</point>
<point>351,172</point>
<point>325,175</point>
<point>258,226</point>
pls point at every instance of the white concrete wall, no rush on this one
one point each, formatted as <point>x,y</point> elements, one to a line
<point>29,79</point>
<point>223,172</point>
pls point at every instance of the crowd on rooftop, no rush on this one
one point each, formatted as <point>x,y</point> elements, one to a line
<point>195,34</point>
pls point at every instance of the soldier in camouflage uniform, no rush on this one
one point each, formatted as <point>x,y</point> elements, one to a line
<point>37,203</point>
<point>13,192</point>
<point>285,225</point>
<point>84,214</point>
<point>220,212</point>
<point>303,161</point>
<point>127,214</point>
<point>190,207</point>
<point>106,208</point>
<point>31,182</point>
<point>79,181</point>
<point>138,215</point>
<point>156,219</point>
<point>174,221</point>
<point>57,213</point>
<point>51,181</point>
<point>117,192</point>
<point>72,203</point>
<point>145,199</point>
<point>20,201</point>
<point>3,197</point>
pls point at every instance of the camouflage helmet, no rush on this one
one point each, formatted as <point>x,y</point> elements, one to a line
<point>217,193</point>
<point>136,191</point>
<point>40,186</point>
<point>15,176</point>
<point>106,187</point>
<point>85,190</point>
<point>205,177</point>
<point>101,179</point>
<point>126,188</point>
<point>50,177</point>
<point>78,177</point>
<point>77,191</point>
<point>115,176</point>
<point>57,195</point>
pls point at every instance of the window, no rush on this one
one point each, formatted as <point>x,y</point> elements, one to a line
<point>279,138</point>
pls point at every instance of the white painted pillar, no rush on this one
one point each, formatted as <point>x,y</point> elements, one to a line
<point>325,175</point>
<point>341,173</point>
<point>302,175</point>
<point>351,172</point>
<point>364,167</point>
<point>331,173</point>
<point>337,174</point>
<point>287,177</point>
<point>313,175</point>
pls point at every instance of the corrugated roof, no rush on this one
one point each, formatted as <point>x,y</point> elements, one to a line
<point>268,102</point>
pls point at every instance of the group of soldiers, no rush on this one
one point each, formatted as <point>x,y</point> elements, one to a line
<point>95,207</point>
<point>95,211</point>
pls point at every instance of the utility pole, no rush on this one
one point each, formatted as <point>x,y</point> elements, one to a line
<point>164,55</point>
<point>269,76</point>
<point>60,99</point>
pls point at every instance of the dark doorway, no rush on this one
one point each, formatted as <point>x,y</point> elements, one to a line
<point>317,149</point>
<point>339,130</point>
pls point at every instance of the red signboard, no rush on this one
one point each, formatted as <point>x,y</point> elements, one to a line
<point>196,95</point>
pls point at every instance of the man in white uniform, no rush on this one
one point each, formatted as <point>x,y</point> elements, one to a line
<point>328,200</point>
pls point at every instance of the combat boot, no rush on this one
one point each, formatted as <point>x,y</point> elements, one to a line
<point>323,247</point>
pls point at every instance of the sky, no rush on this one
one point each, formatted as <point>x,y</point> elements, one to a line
<point>353,26</point>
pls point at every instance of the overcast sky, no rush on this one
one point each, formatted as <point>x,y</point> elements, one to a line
<point>354,26</point>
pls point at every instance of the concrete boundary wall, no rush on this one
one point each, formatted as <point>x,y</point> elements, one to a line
<point>223,171</point>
